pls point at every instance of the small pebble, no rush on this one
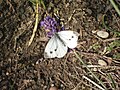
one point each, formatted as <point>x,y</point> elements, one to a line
<point>95,69</point>
<point>102,62</point>
<point>93,31</point>
<point>103,34</point>
<point>53,88</point>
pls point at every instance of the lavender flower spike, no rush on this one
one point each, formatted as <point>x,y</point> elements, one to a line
<point>50,25</point>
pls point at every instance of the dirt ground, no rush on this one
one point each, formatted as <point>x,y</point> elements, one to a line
<point>25,68</point>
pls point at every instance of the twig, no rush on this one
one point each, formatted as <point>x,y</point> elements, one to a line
<point>111,39</point>
<point>76,88</point>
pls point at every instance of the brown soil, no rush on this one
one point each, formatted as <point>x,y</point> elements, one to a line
<point>25,68</point>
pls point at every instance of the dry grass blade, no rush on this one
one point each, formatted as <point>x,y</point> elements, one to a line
<point>93,83</point>
<point>35,28</point>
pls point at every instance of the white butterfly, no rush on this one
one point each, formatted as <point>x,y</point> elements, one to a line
<point>59,43</point>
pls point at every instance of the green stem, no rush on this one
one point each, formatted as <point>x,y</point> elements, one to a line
<point>115,6</point>
<point>90,70</point>
<point>106,27</point>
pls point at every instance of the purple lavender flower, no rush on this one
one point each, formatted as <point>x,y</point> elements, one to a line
<point>50,25</point>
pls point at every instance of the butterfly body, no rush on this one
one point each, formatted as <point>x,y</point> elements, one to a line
<point>60,42</point>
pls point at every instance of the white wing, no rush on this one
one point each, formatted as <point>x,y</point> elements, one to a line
<point>55,48</point>
<point>69,38</point>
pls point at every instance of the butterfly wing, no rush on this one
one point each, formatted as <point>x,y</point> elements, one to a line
<point>55,48</point>
<point>69,38</point>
